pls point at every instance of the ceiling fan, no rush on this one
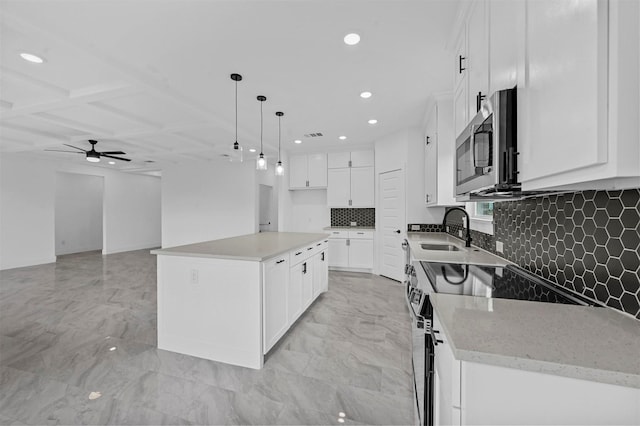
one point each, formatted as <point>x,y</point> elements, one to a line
<point>93,155</point>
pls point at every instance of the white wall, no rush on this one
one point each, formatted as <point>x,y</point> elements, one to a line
<point>27,208</point>
<point>204,201</point>
<point>309,211</point>
<point>78,213</point>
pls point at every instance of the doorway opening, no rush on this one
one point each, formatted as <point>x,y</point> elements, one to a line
<point>268,210</point>
<point>78,213</point>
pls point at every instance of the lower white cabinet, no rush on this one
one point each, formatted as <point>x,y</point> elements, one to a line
<point>351,249</point>
<point>470,393</point>
<point>276,287</point>
<point>292,282</point>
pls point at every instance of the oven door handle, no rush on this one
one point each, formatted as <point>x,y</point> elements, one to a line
<point>412,312</point>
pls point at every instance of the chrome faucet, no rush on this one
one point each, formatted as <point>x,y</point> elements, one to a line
<point>467,242</point>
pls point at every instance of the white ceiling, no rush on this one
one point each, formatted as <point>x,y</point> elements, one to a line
<point>151,78</point>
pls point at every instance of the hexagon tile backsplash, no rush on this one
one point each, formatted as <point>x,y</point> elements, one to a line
<point>586,241</point>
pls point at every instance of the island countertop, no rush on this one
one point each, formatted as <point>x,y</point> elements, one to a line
<point>253,247</point>
<point>588,343</point>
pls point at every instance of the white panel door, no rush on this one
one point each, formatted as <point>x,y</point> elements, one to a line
<point>338,160</point>
<point>276,282</point>
<point>362,187</point>
<point>294,294</point>
<point>317,171</point>
<point>338,252</point>
<point>360,253</point>
<point>298,171</point>
<point>339,187</point>
<point>362,159</point>
<point>393,222</point>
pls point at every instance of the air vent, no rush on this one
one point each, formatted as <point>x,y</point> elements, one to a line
<point>313,135</point>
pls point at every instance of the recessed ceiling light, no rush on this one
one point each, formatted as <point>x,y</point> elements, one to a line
<point>352,39</point>
<point>112,162</point>
<point>365,95</point>
<point>342,137</point>
<point>32,58</point>
<point>252,150</point>
<point>297,141</point>
<point>372,121</point>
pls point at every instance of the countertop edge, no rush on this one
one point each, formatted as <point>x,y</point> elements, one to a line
<point>611,377</point>
<point>168,252</point>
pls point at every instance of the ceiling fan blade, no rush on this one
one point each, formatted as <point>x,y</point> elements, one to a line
<point>83,150</point>
<point>117,158</point>
<point>112,152</point>
<point>60,150</point>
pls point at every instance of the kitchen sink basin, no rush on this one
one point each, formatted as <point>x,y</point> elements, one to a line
<point>441,247</point>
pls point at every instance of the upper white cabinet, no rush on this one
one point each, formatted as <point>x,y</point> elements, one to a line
<point>578,97</point>
<point>439,160</point>
<point>477,62</point>
<point>308,171</point>
<point>351,179</point>
<point>506,17</point>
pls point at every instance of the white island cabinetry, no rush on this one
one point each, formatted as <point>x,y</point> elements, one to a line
<point>231,300</point>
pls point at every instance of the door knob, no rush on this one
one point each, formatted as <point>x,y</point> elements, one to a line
<point>397,231</point>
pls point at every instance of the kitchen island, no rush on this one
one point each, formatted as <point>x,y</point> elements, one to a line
<point>231,300</point>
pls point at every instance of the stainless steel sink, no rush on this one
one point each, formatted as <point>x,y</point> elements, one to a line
<point>441,247</point>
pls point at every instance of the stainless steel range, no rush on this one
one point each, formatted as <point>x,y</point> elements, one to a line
<point>423,278</point>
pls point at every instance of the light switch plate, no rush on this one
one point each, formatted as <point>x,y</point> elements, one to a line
<point>460,233</point>
<point>499,247</point>
<point>415,227</point>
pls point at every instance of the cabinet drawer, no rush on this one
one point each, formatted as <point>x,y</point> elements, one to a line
<point>339,234</point>
<point>366,235</point>
<point>278,260</point>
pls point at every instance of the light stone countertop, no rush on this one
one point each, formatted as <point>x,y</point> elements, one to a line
<point>472,255</point>
<point>343,228</point>
<point>589,343</point>
<point>255,247</point>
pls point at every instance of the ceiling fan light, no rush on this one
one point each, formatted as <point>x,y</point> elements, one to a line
<point>261,163</point>
<point>93,159</point>
<point>279,169</point>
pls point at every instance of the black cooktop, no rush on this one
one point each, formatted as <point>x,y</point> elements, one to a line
<point>509,282</point>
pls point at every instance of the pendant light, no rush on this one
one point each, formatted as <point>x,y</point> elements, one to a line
<point>279,166</point>
<point>236,77</point>
<point>261,163</point>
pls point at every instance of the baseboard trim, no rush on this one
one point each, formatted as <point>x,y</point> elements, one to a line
<point>149,246</point>
<point>27,263</point>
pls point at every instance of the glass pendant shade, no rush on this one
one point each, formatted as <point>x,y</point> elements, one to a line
<point>261,163</point>
<point>279,169</point>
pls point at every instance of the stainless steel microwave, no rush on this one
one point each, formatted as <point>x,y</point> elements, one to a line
<point>486,152</point>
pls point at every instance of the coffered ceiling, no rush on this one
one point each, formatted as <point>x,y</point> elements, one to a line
<point>151,78</point>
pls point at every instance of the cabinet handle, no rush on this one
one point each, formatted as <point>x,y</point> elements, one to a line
<point>479,98</point>
<point>426,197</point>
<point>318,244</point>
<point>460,68</point>
<point>279,261</point>
<point>309,248</point>
<point>304,270</point>
<point>427,140</point>
<point>322,256</point>
<point>350,163</point>
<point>350,202</point>
<point>298,253</point>
<point>360,233</point>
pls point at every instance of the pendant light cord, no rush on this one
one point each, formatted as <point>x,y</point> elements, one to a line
<point>261,102</point>
<point>279,117</point>
<point>236,111</point>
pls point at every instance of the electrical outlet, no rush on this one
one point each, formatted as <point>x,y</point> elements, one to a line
<point>415,227</point>
<point>460,233</point>
<point>194,276</point>
<point>354,223</point>
<point>499,247</point>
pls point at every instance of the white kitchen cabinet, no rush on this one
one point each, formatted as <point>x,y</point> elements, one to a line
<point>439,161</point>
<point>320,273</point>
<point>308,171</point>
<point>276,283</point>
<point>362,187</point>
<point>351,187</point>
<point>477,62</point>
<point>294,293</point>
<point>506,17</point>
<point>351,249</point>
<point>339,187</point>
<point>470,393</point>
<point>362,159</point>
<point>578,99</point>
<point>337,160</point>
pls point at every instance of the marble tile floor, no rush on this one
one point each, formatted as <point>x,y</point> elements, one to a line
<point>88,324</point>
